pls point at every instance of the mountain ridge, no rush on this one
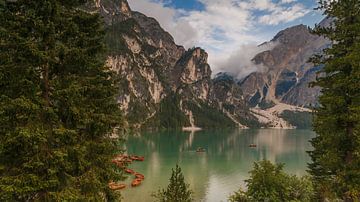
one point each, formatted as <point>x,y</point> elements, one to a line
<point>165,86</point>
<point>162,84</point>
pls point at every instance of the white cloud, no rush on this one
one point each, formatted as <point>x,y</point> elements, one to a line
<point>239,64</point>
<point>170,19</point>
<point>225,28</point>
<point>287,1</point>
<point>282,15</point>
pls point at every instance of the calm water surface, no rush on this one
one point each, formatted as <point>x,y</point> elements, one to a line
<point>222,169</point>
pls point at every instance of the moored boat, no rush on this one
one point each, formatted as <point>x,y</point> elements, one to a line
<point>136,182</point>
<point>115,186</point>
<point>130,171</point>
<point>139,176</point>
<point>137,158</point>
<point>200,149</point>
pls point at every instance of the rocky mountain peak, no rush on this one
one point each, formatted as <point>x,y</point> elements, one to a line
<point>292,34</point>
<point>193,66</point>
<point>124,7</point>
<point>113,11</point>
<point>162,84</point>
<point>287,66</point>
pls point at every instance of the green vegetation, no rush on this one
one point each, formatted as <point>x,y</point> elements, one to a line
<point>57,104</point>
<point>208,117</point>
<point>113,38</point>
<point>169,114</point>
<point>250,121</point>
<point>335,163</point>
<point>177,190</point>
<point>268,182</point>
<point>302,120</point>
<point>264,104</point>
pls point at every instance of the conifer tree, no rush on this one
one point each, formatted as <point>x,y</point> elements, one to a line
<point>57,103</point>
<point>269,182</point>
<point>335,163</point>
<point>177,190</point>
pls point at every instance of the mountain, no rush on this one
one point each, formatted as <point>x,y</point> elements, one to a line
<point>279,95</point>
<point>162,84</point>
<point>288,72</point>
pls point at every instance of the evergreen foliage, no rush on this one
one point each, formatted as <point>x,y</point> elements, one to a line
<point>57,103</point>
<point>335,163</point>
<point>169,115</point>
<point>302,120</point>
<point>209,117</point>
<point>113,39</point>
<point>268,182</point>
<point>177,190</point>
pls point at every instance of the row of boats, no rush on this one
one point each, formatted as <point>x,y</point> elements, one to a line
<point>122,161</point>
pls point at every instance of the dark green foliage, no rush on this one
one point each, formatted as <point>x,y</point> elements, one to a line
<point>208,117</point>
<point>169,115</point>
<point>268,182</point>
<point>177,190</point>
<point>250,121</point>
<point>115,42</point>
<point>57,104</point>
<point>240,196</point>
<point>336,156</point>
<point>302,120</point>
<point>264,104</point>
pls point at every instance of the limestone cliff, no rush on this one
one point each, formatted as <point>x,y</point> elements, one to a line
<point>288,70</point>
<point>162,84</point>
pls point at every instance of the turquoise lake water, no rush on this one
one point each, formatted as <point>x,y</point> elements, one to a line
<point>222,169</point>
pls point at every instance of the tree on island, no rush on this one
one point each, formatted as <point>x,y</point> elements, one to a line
<point>177,190</point>
<point>268,182</point>
<point>335,163</point>
<point>57,103</point>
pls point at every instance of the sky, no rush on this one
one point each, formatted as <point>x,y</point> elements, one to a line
<point>229,30</point>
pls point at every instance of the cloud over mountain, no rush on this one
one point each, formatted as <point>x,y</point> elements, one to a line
<point>223,27</point>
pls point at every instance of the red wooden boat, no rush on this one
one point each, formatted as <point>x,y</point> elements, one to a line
<point>139,176</point>
<point>129,171</point>
<point>115,186</point>
<point>137,158</point>
<point>136,182</point>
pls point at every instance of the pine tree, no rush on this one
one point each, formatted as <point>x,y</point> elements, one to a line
<point>177,190</point>
<point>57,103</point>
<point>335,163</point>
<point>269,182</point>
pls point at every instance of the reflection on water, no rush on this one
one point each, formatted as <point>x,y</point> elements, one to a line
<point>224,166</point>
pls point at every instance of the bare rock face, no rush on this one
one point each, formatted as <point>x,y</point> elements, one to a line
<point>162,84</point>
<point>162,40</point>
<point>301,94</point>
<point>288,70</point>
<point>192,72</point>
<point>209,102</point>
<point>227,94</point>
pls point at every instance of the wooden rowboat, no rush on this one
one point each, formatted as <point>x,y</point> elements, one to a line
<point>115,186</point>
<point>136,182</point>
<point>137,158</point>
<point>139,176</point>
<point>129,171</point>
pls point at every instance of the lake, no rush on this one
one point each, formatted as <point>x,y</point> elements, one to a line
<point>222,169</point>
